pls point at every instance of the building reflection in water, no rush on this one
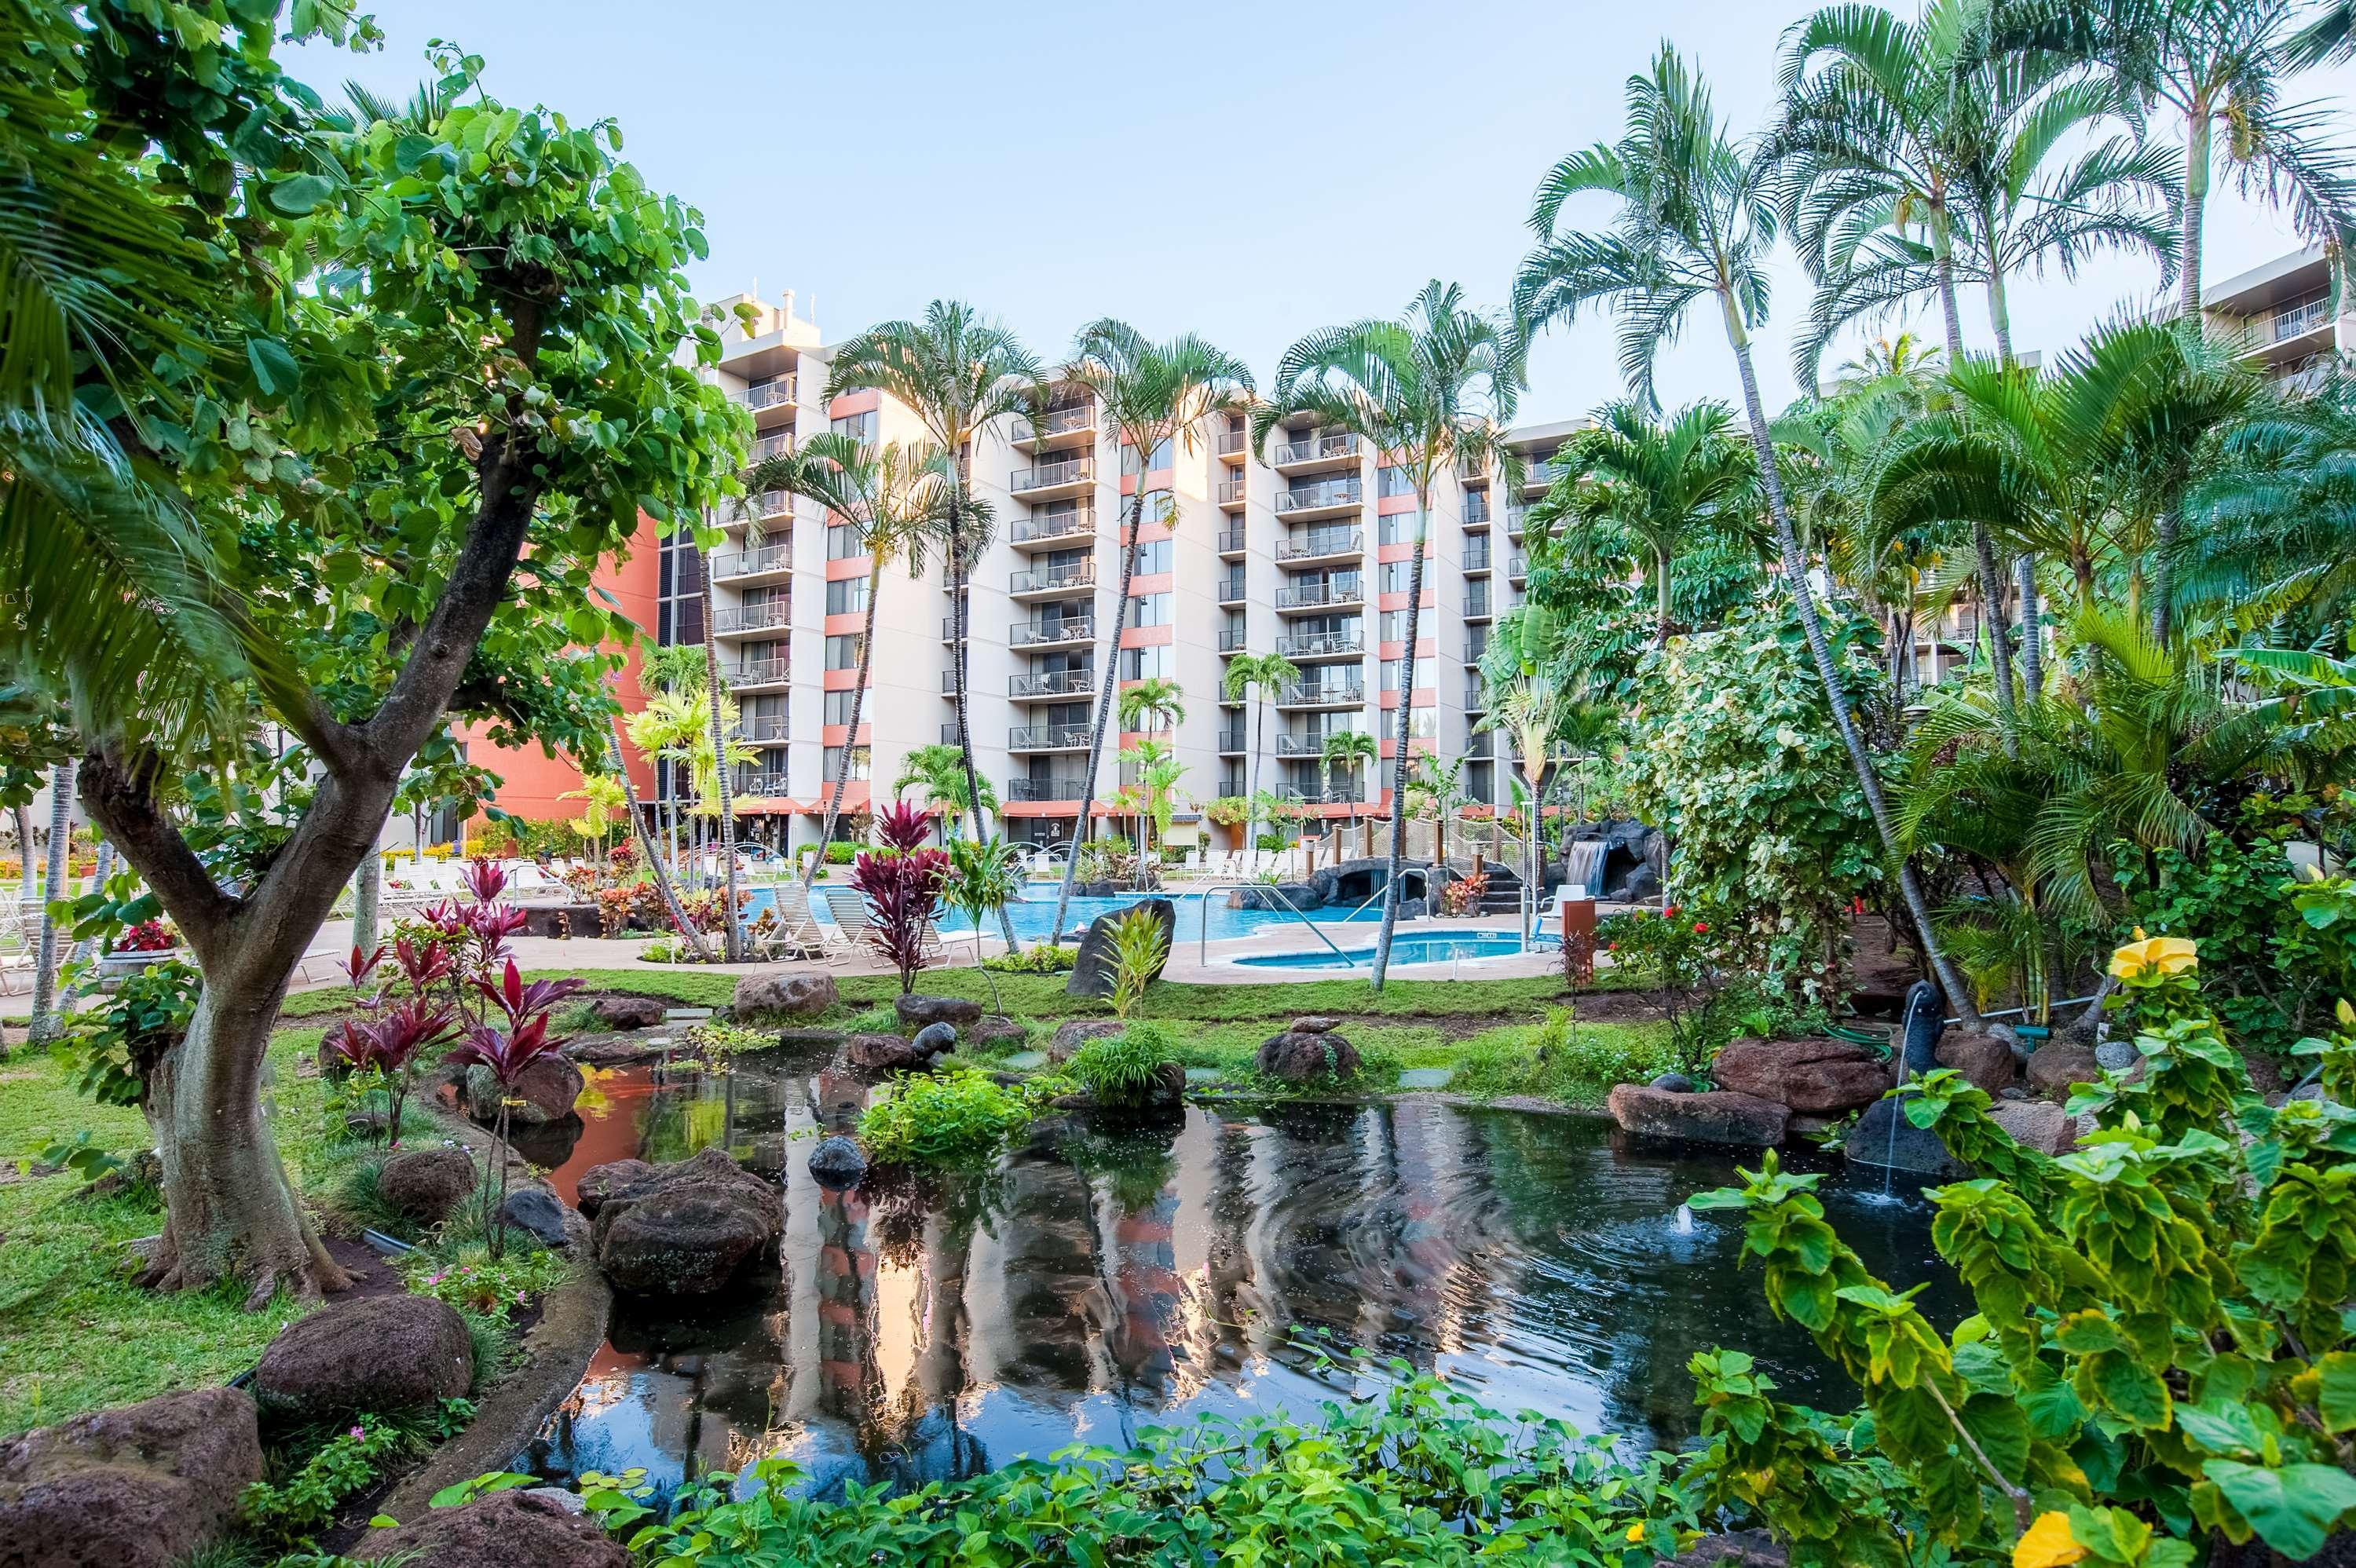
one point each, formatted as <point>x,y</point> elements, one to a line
<point>1105,1278</point>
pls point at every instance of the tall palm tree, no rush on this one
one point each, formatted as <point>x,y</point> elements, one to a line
<point>1154,703</point>
<point>1259,673</point>
<point>895,501</point>
<point>947,785</point>
<point>47,1019</point>
<point>1432,392</point>
<point>957,370</point>
<point>721,799</point>
<point>1150,396</point>
<point>1348,750</point>
<point>1696,219</point>
<point>664,886</point>
<point>1666,485</point>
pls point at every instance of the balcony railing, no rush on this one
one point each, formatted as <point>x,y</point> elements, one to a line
<point>1474,648</point>
<point>1476,507</point>
<point>765,729</point>
<point>1312,744</point>
<point>1344,491</point>
<point>1055,421</point>
<point>1046,737</point>
<point>768,557</point>
<point>1053,579</point>
<point>1517,520</point>
<point>1231,640</point>
<point>1476,698</point>
<point>1232,441</point>
<point>1231,541</point>
<point>1476,557</point>
<point>1070,629</point>
<point>1054,526</point>
<point>761,784</point>
<point>780,390</point>
<point>1232,491</point>
<point>2293,321</point>
<point>1312,693</point>
<point>751,617</point>
<point>1518,568</point>
<point>1323,542</point>
<point>758,672</point>
<point>1476,604</point>
<point>778,445</point>
<point>1230,741</point>
<point>1231,588</point>
<point>1310,595</point>
<point>771,504</point>
<point>1054,683</point>
<point>1317,448</point>
<point>1039,476</point>
<point>1332,794</point>
<point>1072,787</point>
<point>1322,644</point>
<point>1546,471</point>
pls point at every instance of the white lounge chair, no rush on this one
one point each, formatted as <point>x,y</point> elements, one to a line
<point>848,906</point>
<point>801,934</point>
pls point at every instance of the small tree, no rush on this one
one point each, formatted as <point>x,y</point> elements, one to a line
<point>901,883</point>
<point>509,1052</point>
<point>982,879</point>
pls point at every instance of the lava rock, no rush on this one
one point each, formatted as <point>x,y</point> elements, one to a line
<point>521,1529</point>
<point>877,1054</point>
<point>539,1213</point>
<point>1307,1058</point>
<point>1671,1083</point>
<point>1984,1057</point>
<point>629,1012</point>
<point>996,1031</point>
<point>1412,909</point>
<point>1735,1549</point>
<point>1641,886</point>
<point>917,1010</point>
<point>837,1164</point>
<point>142,1486</point>
<point>934,1038</point>
<point>687,1229</point>
<point>1313,1024</point>
<point>600,1182</point>
<point>1070,1037</point>
<point>426,1184</point>
<point>545,1092</point>
<point>2115,1053</point>
<point>1885,1139</point>
<point>2037,1124</point>
<point>1092,970</point>
<point>1816,1077</point>
<point>385,1353</point>
<point>613,1052</point>
<point>761,999</point>
<point>1717,1117</point>
<point>2058,1064</point>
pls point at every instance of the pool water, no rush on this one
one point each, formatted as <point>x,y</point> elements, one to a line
<point>1103,1278</point>
<point>1421,947</point>
<point>1035,913</point>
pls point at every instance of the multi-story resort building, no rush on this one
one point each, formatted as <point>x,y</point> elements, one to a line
<point>2280,316</point>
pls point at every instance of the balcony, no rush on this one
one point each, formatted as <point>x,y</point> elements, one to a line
<point>739,620</point>
<point>1322,544</point>
<point>1322,646</point>
<point>1332,794</point>
<point>1476,607</point>
<point>1310,744</point>
<point>764,729</point>
<point>768,504</point>
<point>1339,591</point>
<point>1476,508</point>
<point>1231,640</point>
<point>1235,443</point>
<point>1231,542</point>
<point>1543,472</point>
<point>1316,452</point>
<point>1518,568</point>
<point>781,444</point>
<point>1053,684</point>
<point>1329,497</point>
<point>1053,580</point>
<point>753,562</point>
<point>1323,693</point>
<point>1476,556</point>
<point>778,393</point>
<point>1068,475</point>
<point>1231,742</point>
<point>1232,491</point>
<point>1231,588</point>
<point>761,784</point>
<point>1048,738</point>
<point>1072,789</point>
<point>1517,521</point>
<point>1052,634</point>
<point>1080,523</point>
<point>758,672</point>
<point>1475,649</point>
<point>1065,426</point>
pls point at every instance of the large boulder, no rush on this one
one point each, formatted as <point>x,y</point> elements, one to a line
<point>687,1229</point>
<point>539,1213</point>
<point>426,1184</point>
<point>2060,1063</point>
<point>1291,1058</point>
<point>523,1529</point>
<point>1815,1077</point>
<point>600,1182</point>
<point>1984,1057</point>
<point>916,1011</point>
<point>1077,1032</point>
<point>384,1354</point>
<point>2037,1124</point>
<point>877,1054</point>
<point>935,1038</point>
<point>996,1033</point>
<point>144,1486</point>
<point>544,1092</point>
<point>1092,970</point>
<point>1719,1117</point>
<point>629,1012</point>
<point>778,998</point>
<point>1883,1137</point>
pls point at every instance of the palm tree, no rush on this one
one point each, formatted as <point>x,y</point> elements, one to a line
<point>47,1018</point>
<point>655,867</point>
<point>942,772</point>
<point>663,730</point>
<point>1154,703</point>
<point>1432,391</point>
<point>896,502</point>
<point>1157,772</point>
<point>1150,396</point>
<point>1263,674</point>
<point>715,690</point>
<point>957,372</point>
<point>1697,221</point>
<point>1350,749</point>
<point>1531,710</point>
<point>1665,485</point>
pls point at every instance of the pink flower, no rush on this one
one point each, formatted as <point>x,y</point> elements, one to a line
<point>359,1431</point>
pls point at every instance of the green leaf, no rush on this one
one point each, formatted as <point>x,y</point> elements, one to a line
<point>2336,1402</point>
<point>274,369</point>
<point>300,194</point>
<point>2127,1388</point>
<point>2291,1508</point>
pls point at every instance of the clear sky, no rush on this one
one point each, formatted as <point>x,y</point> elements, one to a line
<point>1213,166</point>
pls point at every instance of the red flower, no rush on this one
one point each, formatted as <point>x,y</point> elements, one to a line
<point>1700,926</point>
<point>1669,912</point>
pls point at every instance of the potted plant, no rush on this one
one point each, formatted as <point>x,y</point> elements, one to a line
<point>149,942</point>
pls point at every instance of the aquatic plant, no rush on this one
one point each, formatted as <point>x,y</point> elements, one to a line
<point>943,1119</point>
<point>1140,947</point>
<point>1117,1069</point>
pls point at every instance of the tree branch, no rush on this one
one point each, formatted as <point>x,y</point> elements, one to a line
<point>122,800</point>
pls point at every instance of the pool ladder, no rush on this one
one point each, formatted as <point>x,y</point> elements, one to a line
<point>1202,934</point>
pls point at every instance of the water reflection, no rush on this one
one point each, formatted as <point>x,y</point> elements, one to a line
<point>1106,1279</point>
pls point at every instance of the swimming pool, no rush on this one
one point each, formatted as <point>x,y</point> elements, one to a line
<point>1036,912</point>
<point>1421,947</point>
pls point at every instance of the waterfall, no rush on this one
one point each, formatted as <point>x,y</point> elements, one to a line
<point>1583,865</point>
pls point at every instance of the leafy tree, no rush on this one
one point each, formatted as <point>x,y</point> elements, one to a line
<point>940,771</point>
<point>982,877</point>
<point>1264,674</point>
<point>1432,391</point>
<point>1348,750</point>
<point>1696,220</point>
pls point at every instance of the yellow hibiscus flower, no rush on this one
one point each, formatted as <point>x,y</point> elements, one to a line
<point>2048,1543</point>
<point>2155,955</point>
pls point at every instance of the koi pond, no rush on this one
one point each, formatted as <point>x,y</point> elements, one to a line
<point>1102,1280</point>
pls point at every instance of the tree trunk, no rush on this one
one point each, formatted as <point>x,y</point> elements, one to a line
<point>850,733</point>
<point>1403,729</point>
<point>1105,690</point>
<point>730,925</point>
<point>2196,198</point>
<point>647,847</point>
<point>1958,994</point>
<point>46,1024</point>
<point>1661,620</point>
<point>28,896</point>
<point>1983,545</point>
<point>88,947</point>
<point>1260,742</point>
<point>2032,630</point>
<point>958,662</point>
<point>368,891</point>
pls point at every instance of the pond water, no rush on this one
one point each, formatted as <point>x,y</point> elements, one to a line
<point>1034,912</point>
<point>1115,1279</point>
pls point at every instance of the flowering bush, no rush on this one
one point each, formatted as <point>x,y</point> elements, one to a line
<point>902,884</point>
<point>488,1287</point>
<point>1464,895</point>
<point>148,936</point>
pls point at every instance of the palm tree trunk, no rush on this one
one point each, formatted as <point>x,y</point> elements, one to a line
<point>2196,201</point>
<point>27,896</point>
<point>1403,729</point>
<point>84,949</point>
<point>1104,706</point>
<point>2024,564</point>
<point>1661,619</point>
<point>1959,996</point>
<point>1259,743</point>
<point>851,735</point>
<point>1983,545</point>
<point>958,663</point>
<point>647,847</point>
<point>733,940</point>
<point>45,1022</point>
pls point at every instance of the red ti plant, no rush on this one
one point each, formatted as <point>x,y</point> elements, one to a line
<point>391,1045</point>
<point>508,1053</point>
<point>902,884</point>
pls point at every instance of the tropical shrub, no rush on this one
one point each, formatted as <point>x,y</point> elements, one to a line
<point>487,1287</point>
<point>2162,1353</point>
<point>116,1044</point>
<point>1120,1069</point>
<point>1577,1063</point>
<point>902,884</point>
<point>1041,958</point>
<point>1461,896</point>
<point>942,1119</point>
<point>1140,947</point>
<point>287,1511</point>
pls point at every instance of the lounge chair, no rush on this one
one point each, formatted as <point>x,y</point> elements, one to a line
<point>848,906</point>
<point>801,934</point>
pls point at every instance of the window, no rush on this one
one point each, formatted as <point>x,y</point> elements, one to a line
<point>679,594</point>
<point>842,542</point>
<point>1422,724</point>
<point>1153,556</point>
<point>860,760</point>
<point>1393,479</point>
<point>860,428</point>
<point>1144,664</point>
<point>838,707</point>
<point>843,653</point>
<point>1395,626</point>
<point>1152,610</point>
<point>1161,459</point>
<point>1424,673</point>
<point>1398,577</point>
<point>1398,528</point>
<point>846,596</point>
